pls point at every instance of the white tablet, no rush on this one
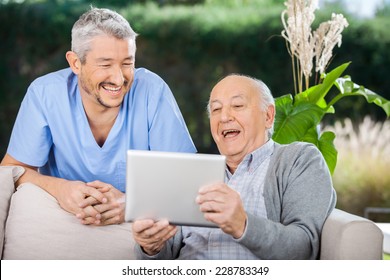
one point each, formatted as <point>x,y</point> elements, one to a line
<point>165,185</point>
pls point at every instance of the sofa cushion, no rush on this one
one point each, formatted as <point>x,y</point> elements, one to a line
<point>8,176</point>
<point>38,228</point>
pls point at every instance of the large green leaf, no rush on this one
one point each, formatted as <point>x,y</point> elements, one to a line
<point>328,149</point>
<point>325,144</point>
<point>348,88</point>
<point>297,117</point>
<point>293,121</point>
<point>316,94</point>
<point>311,135</point>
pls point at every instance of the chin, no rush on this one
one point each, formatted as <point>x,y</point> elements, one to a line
<point>229,152</point>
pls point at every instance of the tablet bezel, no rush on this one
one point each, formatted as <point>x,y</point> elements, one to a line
<point>155,176</point>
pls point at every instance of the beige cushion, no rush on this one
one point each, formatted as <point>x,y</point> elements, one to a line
<point>38,228</point>
<point>350,237</point>
<point>8,176</point>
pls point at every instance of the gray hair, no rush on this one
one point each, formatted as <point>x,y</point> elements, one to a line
<point>97,22</point>
<point>266,98</point>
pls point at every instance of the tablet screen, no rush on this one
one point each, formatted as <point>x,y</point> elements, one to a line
<point>165,185</point>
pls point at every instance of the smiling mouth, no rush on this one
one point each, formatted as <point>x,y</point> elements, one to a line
<point>111,89</point>
<point>230,133</point>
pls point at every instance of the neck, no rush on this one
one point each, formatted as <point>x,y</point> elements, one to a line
<point>101,120</point>
<point>233,163</point>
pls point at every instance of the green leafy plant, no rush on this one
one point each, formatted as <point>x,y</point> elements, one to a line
<point>298,116</point>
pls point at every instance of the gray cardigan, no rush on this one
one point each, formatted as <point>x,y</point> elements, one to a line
<point>298,196</point>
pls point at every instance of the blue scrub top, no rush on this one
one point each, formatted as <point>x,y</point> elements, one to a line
<point>52,132</point>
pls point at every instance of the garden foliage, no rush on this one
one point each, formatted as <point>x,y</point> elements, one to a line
<point>190,47</point>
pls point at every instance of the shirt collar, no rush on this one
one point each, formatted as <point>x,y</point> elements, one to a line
<point>253,160</point>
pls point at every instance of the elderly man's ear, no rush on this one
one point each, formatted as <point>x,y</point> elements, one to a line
<point>270,116</point>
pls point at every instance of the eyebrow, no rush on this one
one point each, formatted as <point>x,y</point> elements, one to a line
<point>214,101</point>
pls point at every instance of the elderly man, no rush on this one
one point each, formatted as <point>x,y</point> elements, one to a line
<point>275,198</point>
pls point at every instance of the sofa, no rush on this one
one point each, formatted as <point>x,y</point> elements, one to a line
<point>33,226</point>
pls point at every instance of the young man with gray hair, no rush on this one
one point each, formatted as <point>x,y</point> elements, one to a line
<point>75,125</point>
<point>275,198</point>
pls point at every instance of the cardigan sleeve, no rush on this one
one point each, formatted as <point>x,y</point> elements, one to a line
<point>299,196</point>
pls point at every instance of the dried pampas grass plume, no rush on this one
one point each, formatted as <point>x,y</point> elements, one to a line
<point>306,46</point>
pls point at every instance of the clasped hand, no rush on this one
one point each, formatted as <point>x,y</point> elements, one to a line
<point>94,203</point>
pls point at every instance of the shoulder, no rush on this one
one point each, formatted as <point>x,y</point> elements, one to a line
<point>143,76</point>
<point>295,149</point>
<point>52,88</point>
<point>152,86</point>
<point>297,156</point>
<point>58,78</point>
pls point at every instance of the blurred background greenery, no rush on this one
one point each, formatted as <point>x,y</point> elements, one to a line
<point>191,44</point>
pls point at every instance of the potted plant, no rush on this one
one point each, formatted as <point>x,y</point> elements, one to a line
<point>299,115</point>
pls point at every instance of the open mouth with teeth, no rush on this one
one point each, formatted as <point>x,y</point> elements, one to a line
<point>229,133</point>
<point>112,90</point>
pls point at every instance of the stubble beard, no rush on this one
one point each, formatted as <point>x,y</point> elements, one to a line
<point>96,95</point>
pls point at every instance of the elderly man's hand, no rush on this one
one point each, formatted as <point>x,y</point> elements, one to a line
<point>151,235</point>
<point>223,206</point>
